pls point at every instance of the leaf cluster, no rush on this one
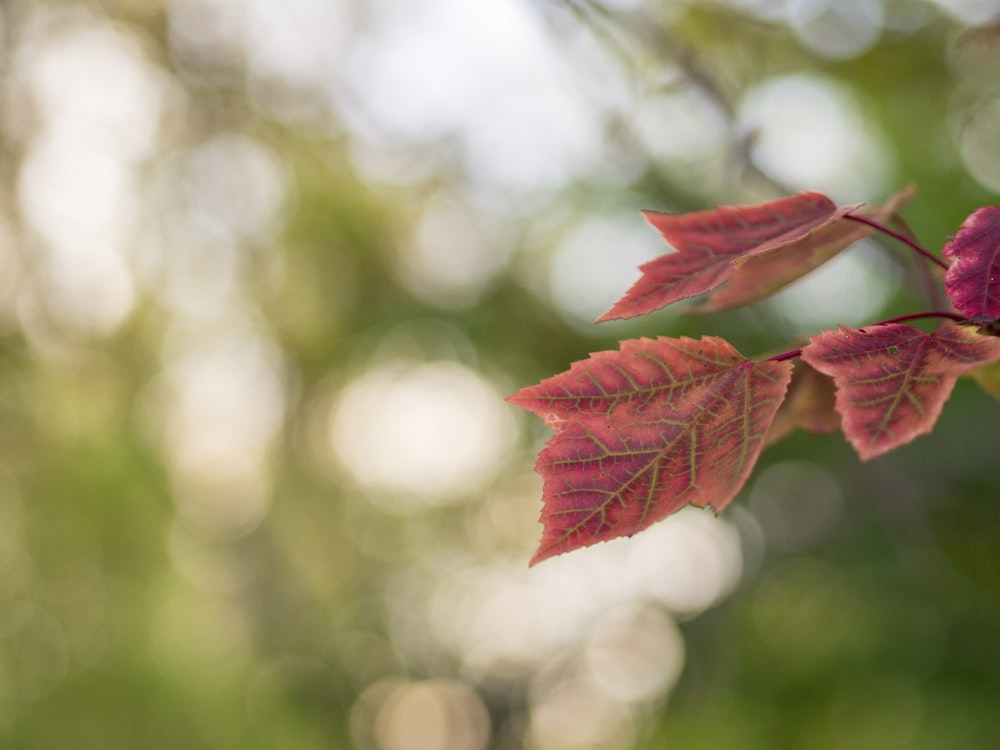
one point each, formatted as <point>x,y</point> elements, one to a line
<point>658,424</point>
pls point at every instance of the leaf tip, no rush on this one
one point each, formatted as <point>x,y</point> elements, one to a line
<point>538,557</point>
<point>516,399</point>
<point>550,547</point>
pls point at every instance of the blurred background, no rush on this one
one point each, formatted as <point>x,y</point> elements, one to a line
<point>267,271</point>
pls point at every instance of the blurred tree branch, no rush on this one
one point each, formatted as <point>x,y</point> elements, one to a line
<point>615,29</point>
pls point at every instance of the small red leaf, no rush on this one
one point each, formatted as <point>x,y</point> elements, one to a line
<point>709,244</point>
<point>892,380</point>
<point>763,274</point>
<point>809,405</point>
<point>973,278</point>
<point>646,430</point>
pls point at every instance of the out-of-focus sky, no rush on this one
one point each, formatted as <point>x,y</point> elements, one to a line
<point>267,271</point>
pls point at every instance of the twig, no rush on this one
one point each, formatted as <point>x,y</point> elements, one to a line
<point>902,238</point>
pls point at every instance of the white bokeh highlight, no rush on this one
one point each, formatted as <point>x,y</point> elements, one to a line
<point>810,134</point>
<point>498,613</point>
<point>98,103</point>
<point>221,403</point>
<point>850,290</point>
<point>837,29</point>
<point>597,261</point>
<point>424,433</point>
<point>516,117</point>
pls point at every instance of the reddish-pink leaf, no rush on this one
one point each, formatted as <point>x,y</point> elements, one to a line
<point>892,380</point>
<point>809,405</point>
<point>710,244</point>
<point>973,278</point>
<point>763,274</point>
<point>646,430</point>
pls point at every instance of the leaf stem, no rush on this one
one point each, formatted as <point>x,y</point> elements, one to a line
<point>792,354</point>
<point>917,316</point>
<point>901,237</point>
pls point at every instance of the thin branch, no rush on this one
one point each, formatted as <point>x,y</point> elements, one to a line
<point>896,235</point>
<point>661,39</point>
<point>934,290</point>
<point>792,354</point>
<point>917,316</point>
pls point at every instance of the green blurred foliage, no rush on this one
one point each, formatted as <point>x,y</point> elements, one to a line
<point>219,266</point>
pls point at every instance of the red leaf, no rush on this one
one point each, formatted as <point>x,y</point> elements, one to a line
<point>973,278</point>
<point>763,274</point>
<point>892,380</point>
<point>710,244</point>
<point>809,405</point>
<point>646,430</point>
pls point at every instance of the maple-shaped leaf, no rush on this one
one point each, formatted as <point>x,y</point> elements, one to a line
<point>973,278</point>
<point>711,244</point>
<point>892,380</point>
<point>643,431</point>
<point>763,274</point>
<point>809,405</point>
